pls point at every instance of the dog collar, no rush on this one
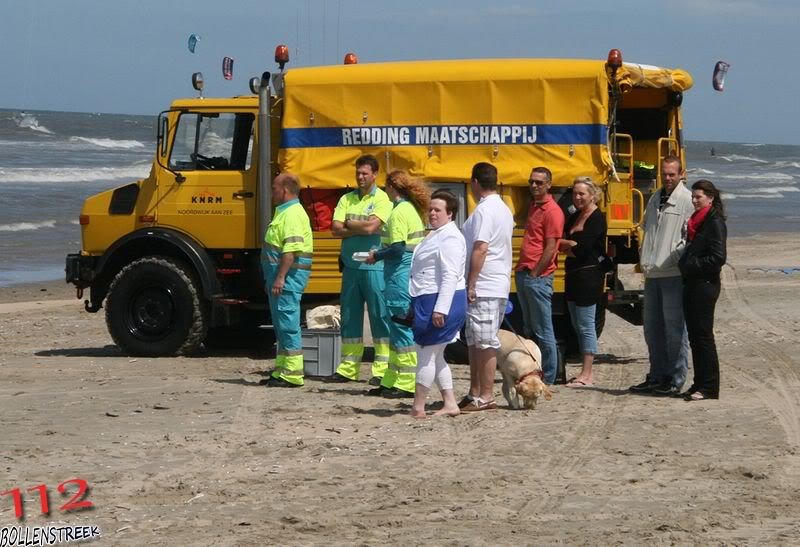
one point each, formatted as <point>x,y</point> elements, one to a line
<point>531,373</point>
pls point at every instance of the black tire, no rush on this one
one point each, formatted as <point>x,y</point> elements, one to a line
<point>154,309</point>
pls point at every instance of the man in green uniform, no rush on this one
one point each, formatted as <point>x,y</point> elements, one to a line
<point>286,263</point>
<point>358,219</point>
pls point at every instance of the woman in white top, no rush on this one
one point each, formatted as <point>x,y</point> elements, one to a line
<point>439,303</point>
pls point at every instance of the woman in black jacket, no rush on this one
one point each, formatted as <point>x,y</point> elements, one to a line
<point>584,244</point>
<point>700,266</point>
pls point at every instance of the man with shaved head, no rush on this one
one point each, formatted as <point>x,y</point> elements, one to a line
<point>286,264</point>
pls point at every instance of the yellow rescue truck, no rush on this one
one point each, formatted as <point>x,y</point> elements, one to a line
<point>174,258</point>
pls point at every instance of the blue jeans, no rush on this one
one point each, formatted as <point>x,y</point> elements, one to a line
<point>665,330</point>
<point>582,318</point>
<point>535,296</point>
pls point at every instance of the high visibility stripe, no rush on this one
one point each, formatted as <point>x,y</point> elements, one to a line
<point>381,341</point>
<point>285,372</point>
<point>293,352</point>
<point>294,239</point>
<point>349,369</point>
<point>419,234</point>
<point>276,253</point>
<point>359,341</point>
<point>381,358</point>
<point>353,216</point>
<point>400,369</point>
<point>297,265</point>
<point>403,349</point>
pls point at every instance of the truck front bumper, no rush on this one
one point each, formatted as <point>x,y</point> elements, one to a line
<point>80,270</point>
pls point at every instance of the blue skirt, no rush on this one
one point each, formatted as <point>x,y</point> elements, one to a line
<point>425,334</point>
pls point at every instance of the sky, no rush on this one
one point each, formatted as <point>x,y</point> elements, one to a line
<point>115,56</point>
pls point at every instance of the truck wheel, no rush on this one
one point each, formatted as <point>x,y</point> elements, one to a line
<point>154,309</point>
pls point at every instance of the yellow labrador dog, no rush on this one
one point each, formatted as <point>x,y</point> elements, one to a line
<point>521,367</point>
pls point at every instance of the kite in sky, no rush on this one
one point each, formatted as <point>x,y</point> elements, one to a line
<point>720,70</point>
<point>227,68</point>
<point>193,39</point>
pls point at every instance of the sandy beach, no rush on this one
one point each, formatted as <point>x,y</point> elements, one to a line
<point>193,451</point>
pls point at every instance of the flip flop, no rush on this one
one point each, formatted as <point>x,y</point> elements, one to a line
<point>575,383</point>
<point>698,396</point>
<point>477,405</point>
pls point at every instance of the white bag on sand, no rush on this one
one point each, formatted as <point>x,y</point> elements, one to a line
<point>324,317</point>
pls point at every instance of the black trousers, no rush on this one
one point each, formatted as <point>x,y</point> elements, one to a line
<point>699,301</point>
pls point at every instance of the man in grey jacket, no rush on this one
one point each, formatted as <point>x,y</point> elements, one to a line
<point>664,240</point>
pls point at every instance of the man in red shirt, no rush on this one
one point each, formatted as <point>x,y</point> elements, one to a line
<point>534,271</point>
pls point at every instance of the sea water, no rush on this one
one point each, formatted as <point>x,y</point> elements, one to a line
<point>51,161</point>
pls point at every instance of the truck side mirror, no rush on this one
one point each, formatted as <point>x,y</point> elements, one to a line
<point>162,143</point>
<point>163,131</point>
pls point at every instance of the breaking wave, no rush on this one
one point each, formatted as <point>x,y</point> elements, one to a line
<point>109,143</point>
<point>726,196</point>
<point>74,174</point>
<point>27,226</point>
<point>29,121</point>
<point>700,171</point>
<point>774,177</point>
<point>737,157</point>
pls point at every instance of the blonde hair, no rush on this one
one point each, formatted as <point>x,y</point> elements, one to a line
<point>590,185</point>
<point>414,190</point>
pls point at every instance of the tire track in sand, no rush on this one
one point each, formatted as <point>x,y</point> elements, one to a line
<point>591,428</point>
<point>774,384</point>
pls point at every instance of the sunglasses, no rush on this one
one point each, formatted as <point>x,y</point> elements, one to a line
<point>537,182</point>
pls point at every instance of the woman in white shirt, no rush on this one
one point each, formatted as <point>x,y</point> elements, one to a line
<point>439,303</point>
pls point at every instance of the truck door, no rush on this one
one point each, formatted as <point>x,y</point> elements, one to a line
<point>216,201</point>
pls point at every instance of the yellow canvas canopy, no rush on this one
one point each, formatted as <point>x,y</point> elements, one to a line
<point>436,119</point>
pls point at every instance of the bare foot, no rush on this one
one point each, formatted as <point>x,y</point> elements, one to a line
<point>448,411</point>
<point>418,414</point>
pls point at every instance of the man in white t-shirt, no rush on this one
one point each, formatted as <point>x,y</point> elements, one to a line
<point>487,232</point>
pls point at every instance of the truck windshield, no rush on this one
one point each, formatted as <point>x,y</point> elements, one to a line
<point>213,142</point>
